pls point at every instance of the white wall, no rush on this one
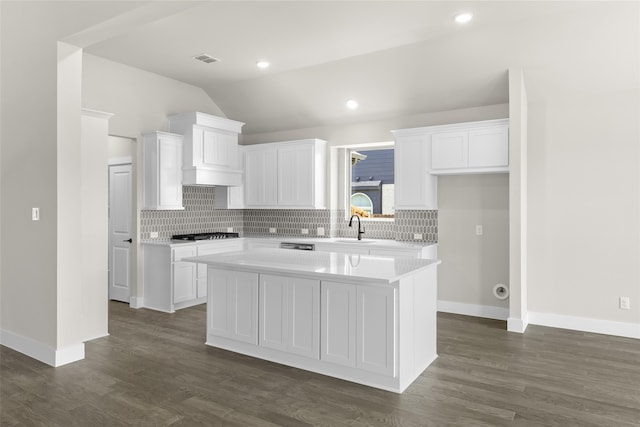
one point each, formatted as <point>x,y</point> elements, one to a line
<point>29,262</point>
<point>584,206</point>
<point>139,100</point>
<point>379,130</point>
<point>472,265</point>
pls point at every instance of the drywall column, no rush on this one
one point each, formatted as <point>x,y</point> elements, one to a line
<point>95,223</point>
<point>517,321</point>
<point>69,346</point>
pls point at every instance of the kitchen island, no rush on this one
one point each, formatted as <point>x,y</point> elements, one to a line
<point>363,318</point>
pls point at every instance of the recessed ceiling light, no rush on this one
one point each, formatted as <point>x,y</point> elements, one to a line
<point>262,64</point>
<point>461,18</point>
<point>352,104</point>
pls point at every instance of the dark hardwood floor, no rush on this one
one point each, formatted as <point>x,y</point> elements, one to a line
<point>154,370</point>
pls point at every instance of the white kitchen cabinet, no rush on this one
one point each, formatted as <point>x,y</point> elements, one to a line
<point>162,160</point>
<point>478,147</point>
<point>338,330</point>
<point>261,177</point>
<point>301,174</point>
<point>169,282</point>
<point>290,314</point>
<point>229,245</point>
<point>210,154</point>
<point>232,305</point>
<point>289,175</point>
<point>415,187</point>
<point>358,326</point>
<point>375,329</point>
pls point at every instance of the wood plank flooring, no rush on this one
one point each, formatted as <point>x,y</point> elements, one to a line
<point>154,370</point>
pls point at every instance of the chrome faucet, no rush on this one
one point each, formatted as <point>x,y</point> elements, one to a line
<point>360,226</point>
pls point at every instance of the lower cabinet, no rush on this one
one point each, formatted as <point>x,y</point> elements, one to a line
<point>378,334</point>
<point>232,305</point>
<point>184,281</point>
<point>358,326</point>
<point>289,313</point>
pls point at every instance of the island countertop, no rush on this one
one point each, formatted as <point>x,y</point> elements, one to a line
<point>321,265</point>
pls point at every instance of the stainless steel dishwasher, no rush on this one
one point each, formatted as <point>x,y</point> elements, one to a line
<point>298,246</point>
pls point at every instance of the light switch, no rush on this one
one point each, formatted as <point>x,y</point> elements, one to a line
<point>35,214</point>
<point>479,230</point>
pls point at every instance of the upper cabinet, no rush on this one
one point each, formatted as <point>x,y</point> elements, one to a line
<point>289,175</point>
<point>465,148</point>
<point>479,147</point>
<point>210,153</point>
<point>415,187</point>
<point>162,158</point>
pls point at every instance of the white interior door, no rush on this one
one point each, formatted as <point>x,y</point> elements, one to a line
<point>120,232</point>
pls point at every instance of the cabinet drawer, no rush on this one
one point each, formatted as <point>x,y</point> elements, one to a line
<point>178,253</point>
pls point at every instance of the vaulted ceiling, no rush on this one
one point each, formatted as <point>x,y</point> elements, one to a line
<point>395,58</point>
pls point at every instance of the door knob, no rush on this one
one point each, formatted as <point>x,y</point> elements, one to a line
<point>130,240</point>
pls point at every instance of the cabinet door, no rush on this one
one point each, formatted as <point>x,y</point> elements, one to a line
<point>232,305</point>
<point>489,147</point>
<point>169,173</point>
<point>303,317</point>
<point>261,178</point>
<point>415,187</point>
<point>375,330</point>
<point>184,281</point>
<point>290,314</point>
<point>449,150</point>
<point>296,176</point>
<point>338,327</point>
<point>273,311</point>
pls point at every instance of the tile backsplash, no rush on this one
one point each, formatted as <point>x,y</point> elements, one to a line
<point>200,216</point>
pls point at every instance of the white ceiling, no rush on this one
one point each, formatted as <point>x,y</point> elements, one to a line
<point>396,58</point>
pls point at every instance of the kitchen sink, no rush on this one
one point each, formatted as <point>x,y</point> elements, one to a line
<point>353,241</point>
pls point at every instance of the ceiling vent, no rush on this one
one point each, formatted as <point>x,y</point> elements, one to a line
<point>206,58</point>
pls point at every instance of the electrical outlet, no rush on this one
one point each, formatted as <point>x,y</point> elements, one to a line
<point>320,231</point>
<point>479,230</point>
<point>625,303</point>
<point>417,236</point>
<point>153,235</point>
<point>229,229</point>
<point>35,214</point>
<point>272,230</point>
<point>304,231</point>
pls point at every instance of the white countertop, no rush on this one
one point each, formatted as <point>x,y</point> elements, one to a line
<point>316,240</point>
<point>319,265</point>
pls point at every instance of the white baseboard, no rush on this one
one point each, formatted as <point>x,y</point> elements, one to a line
<point>486,311</point>
<point>40,351</point>
<point>136,302</point>
<point>515,324</point>
<point>584,324</point>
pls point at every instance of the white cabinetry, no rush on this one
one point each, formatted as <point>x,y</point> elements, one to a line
<point>232,307</point>
<point>183,275</point>
<point>290,175</point>
<point>358,327</point>
<point>415,187</point>
<point>210,149</point>
<point>480,147</point>
<point>162,160</point>
<point>261,177</point>
<point>210,249</point>
<point>290,314</point>
<point>171,283</point>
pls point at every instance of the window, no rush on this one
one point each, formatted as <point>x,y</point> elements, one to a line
<point>372,182</point>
